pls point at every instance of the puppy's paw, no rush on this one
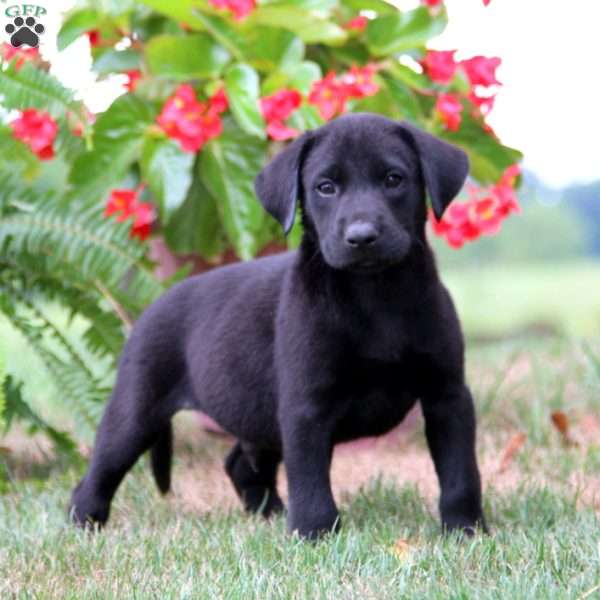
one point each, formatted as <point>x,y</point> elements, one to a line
<point>465,527</point>
<point>86,510</point>
<point>262,501</point>
<point>313,527</point>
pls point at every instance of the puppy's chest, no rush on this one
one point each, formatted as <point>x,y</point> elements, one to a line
<point>382,339</point>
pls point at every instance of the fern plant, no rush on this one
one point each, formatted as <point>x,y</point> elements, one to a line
<point>50,253</point>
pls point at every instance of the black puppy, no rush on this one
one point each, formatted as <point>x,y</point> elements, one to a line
<point>294,353</point>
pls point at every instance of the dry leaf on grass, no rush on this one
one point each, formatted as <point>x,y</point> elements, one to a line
<point>515,443</point>
<point>401,549</point>
<point>561,423</point>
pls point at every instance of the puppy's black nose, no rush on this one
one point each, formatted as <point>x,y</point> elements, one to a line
<point>361,234</point>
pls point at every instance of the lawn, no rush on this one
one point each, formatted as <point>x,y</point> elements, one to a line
<point>541,494</point>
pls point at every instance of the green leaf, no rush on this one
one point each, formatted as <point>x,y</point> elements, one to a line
<point>391,34</point>
<point>306,25</point>
<point>300,77</point>
<point>305,118</point>
<point>228,166</point>
<point>407,76</point>
<point>304,75</point>
<point>223,32</point>
<point>381,103</point>
<point>116,61</point>
<point>487,156</point>
<point>318,5</point>
<point>379,6</point>
<point>267,48</point>
<point>30,87</point>
<point>167,171</point>
<point>185,57</point>
<point>76,24</point>
<point>196,226</point>
<point>404,99</point>
<point>242,86</point>
<point>352,53</point>
<point>117,143</point>
<point>182,11</point>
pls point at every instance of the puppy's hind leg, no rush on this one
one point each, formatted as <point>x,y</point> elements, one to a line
<point>253,472</point>
<point>134,421</point>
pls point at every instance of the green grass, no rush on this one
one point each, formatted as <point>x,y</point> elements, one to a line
<point>545,540</point>
<point>498,300</point>
<point>544,511</point>
<point>542,547</point>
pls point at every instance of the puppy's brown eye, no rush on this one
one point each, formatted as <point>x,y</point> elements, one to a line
<point>327,188</point>
<point>393,180</point>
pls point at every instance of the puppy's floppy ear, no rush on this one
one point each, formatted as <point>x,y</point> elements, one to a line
<point>278,184</point>
<point>444,166</point>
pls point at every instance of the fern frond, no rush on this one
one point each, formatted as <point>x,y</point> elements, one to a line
<point>98,248</point>
<point>104,334</point>
<point>18,158</point>
<point>17,409</point>
<point>30,87</point>
<point>78,387</point>
<point>2,393</point>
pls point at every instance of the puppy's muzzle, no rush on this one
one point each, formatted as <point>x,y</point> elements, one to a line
<point>360,235</point>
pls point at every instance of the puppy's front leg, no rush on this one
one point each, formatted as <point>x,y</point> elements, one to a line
<point>307,449</point>
<point>450,430</point>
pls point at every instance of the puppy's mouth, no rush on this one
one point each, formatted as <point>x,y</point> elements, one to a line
<point>368,266</point>
<point>365,266</point>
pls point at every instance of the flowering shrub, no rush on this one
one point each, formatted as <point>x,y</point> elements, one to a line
<point>208,87</point>
<point>211,90</point>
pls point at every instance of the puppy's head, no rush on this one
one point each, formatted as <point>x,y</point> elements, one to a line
<point>362,180</point>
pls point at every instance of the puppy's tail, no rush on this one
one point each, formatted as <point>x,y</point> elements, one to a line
<point>161,456</point>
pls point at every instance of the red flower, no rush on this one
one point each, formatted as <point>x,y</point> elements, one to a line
<point>455,225</point>
<point>505,193</point>
<point>484,215</point>
<point>94,37</point>
<point>142,223</point>
<point>126,205</point>
<point>482,70</point>
<point>432,2</point>
<point>329,96</point>
<point>484,103</point>
<point>359,82</point>
<point>509,177</point>
<point>240,8</point>
<point>357,23</point>
<point>22,55</point>
<point>190,122</point>
<point>440,65</point>
<point>486,2</point>
<point>218,102</point>
<point>38,130</point>
<point>121,203</point>
<point>449,108</point>
<point>278,107</point>
<point>481,214</point>
<point>132,79</point>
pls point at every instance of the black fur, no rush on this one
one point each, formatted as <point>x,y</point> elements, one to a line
<point>294,353</point>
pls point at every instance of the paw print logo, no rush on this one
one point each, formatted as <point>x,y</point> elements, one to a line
<point>25,32</point>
